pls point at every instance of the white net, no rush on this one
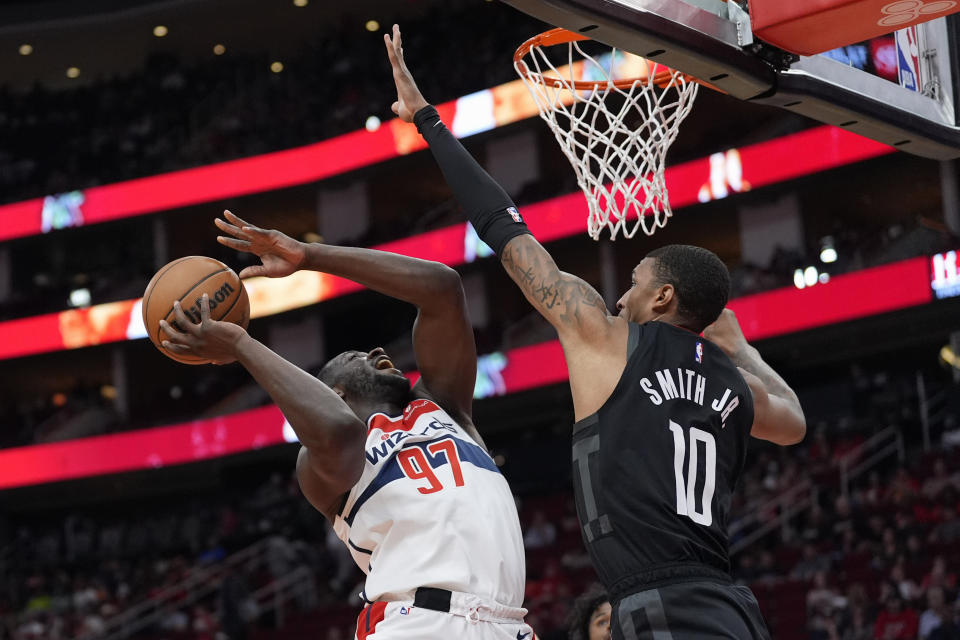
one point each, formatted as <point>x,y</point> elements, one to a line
<point>615,137</point>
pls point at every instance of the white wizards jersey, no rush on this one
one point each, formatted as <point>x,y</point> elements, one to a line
<point>432,510</point>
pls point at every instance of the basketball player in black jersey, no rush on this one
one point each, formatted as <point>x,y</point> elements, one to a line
<point>663,414</point>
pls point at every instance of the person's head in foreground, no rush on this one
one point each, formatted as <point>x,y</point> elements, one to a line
<point>590,617</point>
<point>681,284</point>
<point>368,382</point>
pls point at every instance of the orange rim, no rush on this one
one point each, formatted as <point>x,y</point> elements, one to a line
<point>558,36</point>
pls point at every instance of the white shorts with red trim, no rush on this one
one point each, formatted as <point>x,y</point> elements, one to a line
<point>469,619</point>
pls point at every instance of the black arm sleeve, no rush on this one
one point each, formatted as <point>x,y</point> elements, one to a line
<point>487,205</point>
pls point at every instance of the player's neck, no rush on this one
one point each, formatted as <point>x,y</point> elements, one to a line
<point>365,409</point>
<point>676,321</point>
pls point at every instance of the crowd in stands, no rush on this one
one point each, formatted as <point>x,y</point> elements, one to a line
<point>176,113</point>
<point>66,576</point>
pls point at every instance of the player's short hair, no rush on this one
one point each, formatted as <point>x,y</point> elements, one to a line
<point>699,278</point>
<point>331,372</point>
<point>583,607</point>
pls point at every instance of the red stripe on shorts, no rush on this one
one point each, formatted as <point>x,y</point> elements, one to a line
<point>369,618</point>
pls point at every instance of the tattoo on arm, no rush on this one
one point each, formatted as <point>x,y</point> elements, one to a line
<point>560,297</point>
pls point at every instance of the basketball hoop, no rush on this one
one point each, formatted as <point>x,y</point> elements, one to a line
<point>615,132</point>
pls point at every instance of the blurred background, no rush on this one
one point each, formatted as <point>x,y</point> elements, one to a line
<point>141,498</point>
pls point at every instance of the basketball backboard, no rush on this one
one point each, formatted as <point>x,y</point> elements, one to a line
<point>713,41</point>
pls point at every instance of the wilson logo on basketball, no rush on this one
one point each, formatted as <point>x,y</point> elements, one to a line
<point>909,11</point>
<point>219,296</point>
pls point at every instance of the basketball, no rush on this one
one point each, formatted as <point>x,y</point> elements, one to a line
<point>186,280</point>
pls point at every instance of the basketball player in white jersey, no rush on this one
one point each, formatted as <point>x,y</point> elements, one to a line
<point>400,471</point>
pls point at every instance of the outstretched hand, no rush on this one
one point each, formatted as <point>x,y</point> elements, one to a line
<point>281,255</point>
<point>409,98</point>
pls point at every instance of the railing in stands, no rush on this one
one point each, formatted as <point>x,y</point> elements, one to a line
<point>198,584</point>
<point>758,522</point>
<point>297,586</point>
<point>932,398</point>
<point>803,496</point>
<point>858,461</point>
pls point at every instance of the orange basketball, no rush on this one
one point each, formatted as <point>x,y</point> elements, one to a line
<point>186,280</point>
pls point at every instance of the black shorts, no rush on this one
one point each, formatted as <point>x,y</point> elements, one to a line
<point>696,610</point>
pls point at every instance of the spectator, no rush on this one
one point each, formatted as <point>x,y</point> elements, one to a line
<point>823,606</point>
<point>947,531</point>
<point>936,614</point>
<point>940,480</point>
<point>541,532</point>
<point>938,576</point>
<point>823,597</point>
<point>811,562</point>
<point>907,588</point>
<point>903,488</point>
<point>895,622</point>
<point>590,617</point>
<point>857,625</point>
<point>950,628</point>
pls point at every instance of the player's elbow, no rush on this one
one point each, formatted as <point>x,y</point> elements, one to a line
<point>446,279</point>
<point>795,434</point>
<point>782,428</point>
<point>443,284</point>
<point>792,431</point>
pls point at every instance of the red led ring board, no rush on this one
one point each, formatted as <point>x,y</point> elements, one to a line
<point>816,26</point>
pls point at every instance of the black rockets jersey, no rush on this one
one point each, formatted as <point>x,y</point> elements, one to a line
<point>654,469</point>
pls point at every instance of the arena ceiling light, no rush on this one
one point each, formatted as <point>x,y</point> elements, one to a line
<point>73,72</point>
<point>949,358</point>
<point>372,25</point>
<point>160,31</point>
<point>276,66</point>
<point>219,49</point>
<point>828,252</point>
<point>80,298</point>
<point>25,49</point>
<point>803,278</point>
<point>300,3</point>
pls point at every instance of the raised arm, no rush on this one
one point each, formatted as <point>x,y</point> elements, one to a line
<point>778,416</point>
<point>571,305</point>
<point>332,436</point>
<point>442,334</point>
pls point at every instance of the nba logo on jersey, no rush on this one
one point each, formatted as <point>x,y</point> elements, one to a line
<point>514,214</point>
<point>699,353</point>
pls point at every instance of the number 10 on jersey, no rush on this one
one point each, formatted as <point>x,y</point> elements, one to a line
<point>687,482</point>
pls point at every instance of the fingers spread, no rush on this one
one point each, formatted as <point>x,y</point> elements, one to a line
<point>176,348</point>
<point>233,243</point>
<point>252,271</point>
<point>391,53</point>
<point>172,332</point>
<point>204,308</point>
<point>226,227</point>
<point>235,219</point>
<point>183,322</point>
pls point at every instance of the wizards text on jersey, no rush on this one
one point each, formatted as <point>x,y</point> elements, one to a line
<point>390,442</point>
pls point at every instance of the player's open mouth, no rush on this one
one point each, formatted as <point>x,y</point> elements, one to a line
<point>383,362</point>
